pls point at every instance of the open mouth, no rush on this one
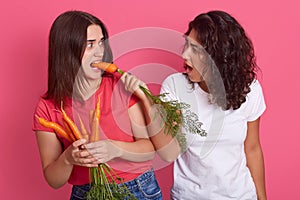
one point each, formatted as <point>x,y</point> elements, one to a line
<point>93,65</point>
<point>187,67</point>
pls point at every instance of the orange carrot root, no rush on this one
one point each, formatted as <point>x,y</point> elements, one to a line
<point>72,125</point>
<point>98,110</point>
<point>92,112</point>
<point>56,127</point>
<point>108,67</point>
<point>97,118</point>
<point>83,129</point>
<point>94,128</point>
<point>69,131</point>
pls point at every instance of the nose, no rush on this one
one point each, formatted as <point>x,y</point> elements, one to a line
<point>184,54</point>
<point>99,51</point>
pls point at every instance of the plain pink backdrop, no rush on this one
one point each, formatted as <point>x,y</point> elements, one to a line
<point>274,27</point>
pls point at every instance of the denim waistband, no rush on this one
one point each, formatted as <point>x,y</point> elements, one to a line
<point>144,186</point>
<point>141,178</point>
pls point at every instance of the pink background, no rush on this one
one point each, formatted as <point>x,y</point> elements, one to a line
<point>274,27</point>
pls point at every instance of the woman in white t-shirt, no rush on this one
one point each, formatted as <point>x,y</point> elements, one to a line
<point>220,85</point>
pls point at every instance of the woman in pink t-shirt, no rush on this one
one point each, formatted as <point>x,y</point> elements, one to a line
<point>78,39</point>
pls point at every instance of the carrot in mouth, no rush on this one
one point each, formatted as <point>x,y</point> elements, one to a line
<point>108,67</point>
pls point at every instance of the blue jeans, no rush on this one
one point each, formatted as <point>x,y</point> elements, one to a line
<point>144,187</point>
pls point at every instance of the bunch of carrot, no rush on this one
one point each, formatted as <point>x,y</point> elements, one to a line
<point>172,112</point>
<point>103,179</point>
<point>70,131</point>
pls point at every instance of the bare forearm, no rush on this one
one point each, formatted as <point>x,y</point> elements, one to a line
<point>155,123</point>
<point>58,172</point>
<point>166,146</point>
<point>255,163</point>
<point>132,151</point>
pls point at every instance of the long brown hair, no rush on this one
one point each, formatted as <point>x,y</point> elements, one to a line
<point>67,42</point>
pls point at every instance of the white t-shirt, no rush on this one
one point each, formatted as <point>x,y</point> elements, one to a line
<point>214,167</point>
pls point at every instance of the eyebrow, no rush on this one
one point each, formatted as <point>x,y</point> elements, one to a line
<point>191,42</point>
<point>194,45</point>
<point>93,40</point>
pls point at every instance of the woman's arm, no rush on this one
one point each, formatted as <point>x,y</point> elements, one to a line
<point>58,164</point>
<point>255,160</point>
<point>145,123</point>
<point>165,145</point>
<point>140,150</point>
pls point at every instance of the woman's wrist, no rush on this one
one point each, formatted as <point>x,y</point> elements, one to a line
<point>65,159</point>
<point>118,152</point>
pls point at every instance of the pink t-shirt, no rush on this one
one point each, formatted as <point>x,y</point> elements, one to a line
<point>114,124</point>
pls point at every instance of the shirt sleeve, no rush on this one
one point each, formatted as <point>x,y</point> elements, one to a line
<point>42,110</point>
<point>133,100</point>
<point>124,96</point>
<point>256,103</point>
<point>168,88</point>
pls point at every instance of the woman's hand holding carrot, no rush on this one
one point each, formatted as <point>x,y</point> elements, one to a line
<point>132,84</point>
<point>76,154</point>
<point>103,150</point>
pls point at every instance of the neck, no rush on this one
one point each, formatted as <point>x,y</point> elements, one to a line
<point>203,86</point>
<point>84,88</point>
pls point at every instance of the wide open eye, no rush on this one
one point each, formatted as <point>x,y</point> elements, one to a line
<point>196,48</point>
<point>90,45</point>
<point>101,43</point>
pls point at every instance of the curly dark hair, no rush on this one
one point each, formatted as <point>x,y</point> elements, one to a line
<point>232,51</point>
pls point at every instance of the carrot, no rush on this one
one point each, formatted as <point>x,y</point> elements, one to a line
<point>97,110</point>
<point>94,122</point>
<point>108,67</point>
<point>56,127</point>
<point>72,125</point>
<point>68,130</point>
<point>111,68</point>
<point>91,119</point>
<point>97,118</point>
<point>83,129</point>
<point>94,128</point>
